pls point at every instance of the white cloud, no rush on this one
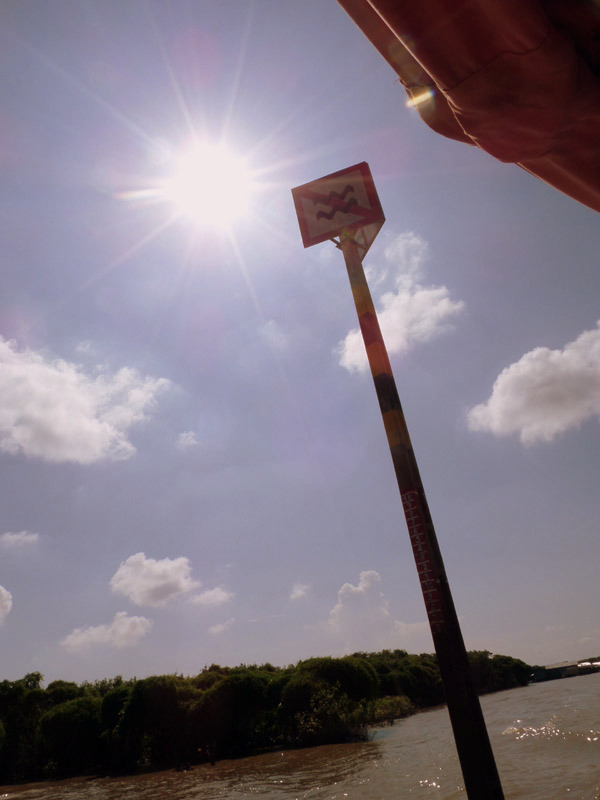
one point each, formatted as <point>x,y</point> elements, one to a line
<point>51,409</point>
<point>274,335</point>
<point>545,393</point>
<point>186,440</point>
<point>212,597</point>
<point>5,603</point>
<point>123,631</point>
<point>222,627</point>
<point>363,605</point>
<point>21,539</point>
<point>362,620</point>
<point>299,590</point>
<point>151,582</point>
<point>409,312</point>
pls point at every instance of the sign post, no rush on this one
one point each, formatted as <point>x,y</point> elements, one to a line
<point>351,210</point>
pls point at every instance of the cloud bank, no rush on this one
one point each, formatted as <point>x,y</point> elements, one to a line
<point>362,620</point>
<point>186,440</point>
<point>51,409</point>
<point>299,590</point>
<point>409,312</point>
<point>14,541</point>
<point>221,627</point>
<point>545,393</point>
<point>123,631</point>
<point>151,582</point>
<point>212,597</point>
<point>5,603</point>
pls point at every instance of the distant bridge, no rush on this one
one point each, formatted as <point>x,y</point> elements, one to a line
<point>566,669</point>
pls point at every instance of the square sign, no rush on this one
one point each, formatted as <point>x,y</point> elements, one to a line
<point>343,202</point>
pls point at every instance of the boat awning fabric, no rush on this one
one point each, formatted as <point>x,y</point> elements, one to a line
<point>518,78</point>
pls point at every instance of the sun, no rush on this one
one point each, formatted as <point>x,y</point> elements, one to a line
<point>205,184</point>
<point>208,184</point>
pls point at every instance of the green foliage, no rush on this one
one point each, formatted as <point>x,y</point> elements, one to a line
<point>491,673</point>
<point>21,706</point>
<point>356,675</point>
<point>149,727</point>
<point>112,708</point>
<point>32,680</point>
<point>61,691</point>
<point>113,726</point>
<point>314,711</point>
<point>71,737</point>
<point>207,679</point>
<point>112,705</point>
<point>387,709</point>
<point>399,673</point>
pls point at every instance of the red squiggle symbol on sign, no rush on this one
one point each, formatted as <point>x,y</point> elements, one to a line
<point>335,201</point>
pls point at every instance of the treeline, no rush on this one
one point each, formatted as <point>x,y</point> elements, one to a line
<point>118,726</point>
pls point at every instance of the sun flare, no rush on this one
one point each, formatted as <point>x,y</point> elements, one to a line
<point>206,184</point>
<point>209,184</point>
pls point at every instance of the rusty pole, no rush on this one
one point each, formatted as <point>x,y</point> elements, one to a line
<point>475,754</point>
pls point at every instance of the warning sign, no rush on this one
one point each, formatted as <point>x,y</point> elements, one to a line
<point>340,203</point>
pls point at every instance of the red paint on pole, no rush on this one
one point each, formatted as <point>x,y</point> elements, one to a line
<point>423,558</point>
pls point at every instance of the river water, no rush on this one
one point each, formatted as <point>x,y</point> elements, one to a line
<point>546,738</point>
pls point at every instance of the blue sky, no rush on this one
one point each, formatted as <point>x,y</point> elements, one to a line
<point>194,468</point>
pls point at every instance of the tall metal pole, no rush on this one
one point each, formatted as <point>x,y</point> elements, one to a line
<point>472,742</point>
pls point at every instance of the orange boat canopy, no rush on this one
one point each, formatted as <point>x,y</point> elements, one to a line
<point>518,78</point>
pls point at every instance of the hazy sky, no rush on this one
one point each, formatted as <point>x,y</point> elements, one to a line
<point>194,468</point>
